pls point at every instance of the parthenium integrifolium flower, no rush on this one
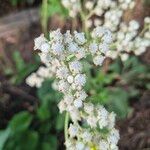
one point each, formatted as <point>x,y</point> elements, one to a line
<point>61,58</point>
<point>127,36</point>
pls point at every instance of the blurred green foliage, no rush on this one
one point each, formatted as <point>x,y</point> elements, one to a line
<point>20,69</point>
<point>16,2</point>
<point>48,9</point>
<point>122,81</point>
<point>39,130</point>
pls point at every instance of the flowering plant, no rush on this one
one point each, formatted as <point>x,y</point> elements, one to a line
<point>92,126</point>
<point>128,36</point>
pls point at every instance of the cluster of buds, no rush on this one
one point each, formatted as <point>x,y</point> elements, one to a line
<point>109,13</point>
<point>92,126</point>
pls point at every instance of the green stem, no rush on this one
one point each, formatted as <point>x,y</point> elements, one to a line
<point>44,16</point>
<point>66,126</point>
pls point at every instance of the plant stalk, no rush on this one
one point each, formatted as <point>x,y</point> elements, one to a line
<point>66,126</point>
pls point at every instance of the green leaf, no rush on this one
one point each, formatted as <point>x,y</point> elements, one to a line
<point>118,102</point>
<point>44,111</point>
<point>4,134</point>
<point>53,142</point>
<point>22,69</point>
<point>27,140</point>
<point>19,62</point>
<point>46,126</point>
<point>47,93</point>
<point>55,6</point>
<point>22,74</point>
<point>20,122</point>
<point>50,143</point>
<point>116,66</point>
<point>30,142</point>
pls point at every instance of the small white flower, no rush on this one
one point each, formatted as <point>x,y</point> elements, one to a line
<point>55,63</point>
<point>63,86</point>
<point>124,56</point>
<point>81,95</point>
<point>133,25</point>
<point>107,38</point>
<point>80,79</point>
<point>57,48</point>
<point>44,72</point>
<point>103,117</point>
<point>97,22</point>
<point>75,115</point>
<point>98,60</point>
<point>75,66</point>
<point>45,47</point>
<point>78,103</point>
<point>113,136</point>
<point>70,79</point>
<point>80,53</point>
<point>87,136</point>
<point>98,32</point>
<point>79,146</point>
<point>103,48</point>
<point>68,37</point>
<point>93,48</point>
<point>147,20</point>
<point>62,106</point>
<point>92,121</point>
<point>88,23</point>
<point>34,81</point>
<point>72,47</point>
<point>73,130</point>
<point>45,57</point>
<point>79,38</point>
<point>56,36</point>
<point>62,73</point>
<point>103,145</point>
<point>68,99</point>
<point>88,108</point>
<point>89,5</point>
<point>39,41</point>
<point>111,120</point>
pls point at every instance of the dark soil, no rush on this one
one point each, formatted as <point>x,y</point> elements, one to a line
<point>135,130</point>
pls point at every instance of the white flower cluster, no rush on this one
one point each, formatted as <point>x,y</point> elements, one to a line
<point>127,36</point>
<point>73,6</point>
<point>36,79</point>
<point>70,48</point>
<point>100,135</point>
<point>128,39</point>
<point>92,126</point>
<point>100,45</point>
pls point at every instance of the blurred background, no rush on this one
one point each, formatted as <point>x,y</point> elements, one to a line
<point>29,117</point>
